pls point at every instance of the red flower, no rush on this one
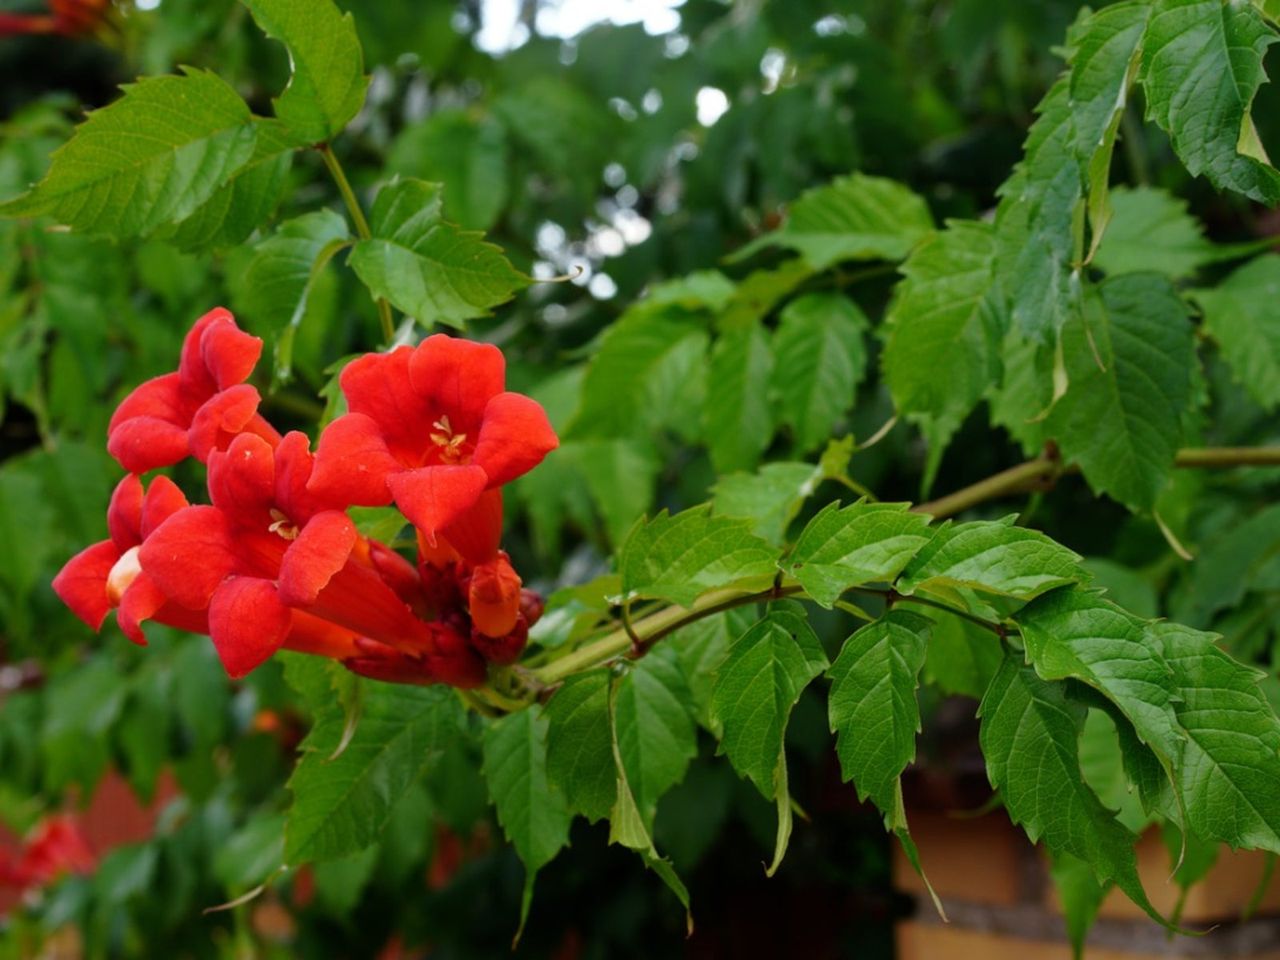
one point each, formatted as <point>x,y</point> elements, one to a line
<point>432,429</point>
<point>197,409</point>
<point>69,18</point>
<point>55,848</point>
<point>268,544</point>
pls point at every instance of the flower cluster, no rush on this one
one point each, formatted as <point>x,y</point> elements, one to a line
<point>273,560</point>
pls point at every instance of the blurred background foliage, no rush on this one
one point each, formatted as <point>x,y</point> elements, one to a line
<point>617,155</point>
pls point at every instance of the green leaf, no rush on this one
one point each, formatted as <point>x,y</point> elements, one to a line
<point>150,158</point>
<point>992,556</point>
<point>1129,362</point>
<point>466,154</point>
<point>771,497</point>
<point>680,557</point>
<point>739,417</point>
<point>756,688</point>
<point>962,657</point>
<point>579,748</point>
<point>637,372</point>
<point>341,804</point>
<point>701,647</point>
<point>1081,895</point>
<point>1229,776</point>
<point>941,353</point>
<point>327,83</point>
<point>244,202</point>
<point>533,815</point>
<point>655,733</point>
<point>1230,566</point>
<point>873,711</point>
<point>1076,634</point>
<point>1152,230</point>
<point>1240,314</point>
<point>861,543</point>
<point>819,359</point>
<point>1029,737</point>
<point>1201,67</point>
<point>426,267</point>
<point>703,289</point>
<point>853,218</point>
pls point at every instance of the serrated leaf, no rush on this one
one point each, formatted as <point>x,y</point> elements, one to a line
<point>756,688</point>
<point>861,543</point>
<point>819,360</point>
<point>150,158</point>
<point>853,218</point>
<point>962,656</point>
<point>1230,566</point>
<point>680,557</point>
<point>943,337</point>
<point>738,416</point>
<point>327,84</point>
<point>427,267</point>
<point>1080,894</point>
<point>1076,634</point>
<point>466,154</point>
<point>771,497</point>
<point>1229,776</point>
<point>534,816</point>
<point>342,804</point>
<point>1152,230</point>
<point>707,290</point>
<point>1201,67</point>
<point>1128,360</point>
<point>579,750</point>
<point>620,476</point>
<point>992,556</point>
<point>1029,737</point>
<point>700,648</point>
<point>1240,314</point>
<point>655,733</point>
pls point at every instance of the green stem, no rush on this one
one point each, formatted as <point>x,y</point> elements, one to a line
<point>362,227</point>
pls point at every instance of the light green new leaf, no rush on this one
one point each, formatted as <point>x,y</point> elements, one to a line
<point>579,750</point>
<point>1230,771</point>
<point>534,816</point>
<point>466,154</point>
<point>756,688</point>
<point>992,556</point>
<point>148,159</point>
<point>620,476</point>
<point>1129,361</point>
<point>655,733</point>
<point>1240,314</point>
<point>341,804</point>
<point>873,710</point>
<point>1152,230</point>
<point>428,268</point>
<point>771,497</point>
<point>327,83</point>
<point>738,415</point>
<point>853,218</point>
<point>680,557</point>
<point>1201,67</point>
<point>861,543</point>
<point>943,337</point>
<point>1076,634</point>
<point>1029,736</point>
<point>819,359</point>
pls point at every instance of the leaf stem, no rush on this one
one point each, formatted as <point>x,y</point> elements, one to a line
<point>362,227</point>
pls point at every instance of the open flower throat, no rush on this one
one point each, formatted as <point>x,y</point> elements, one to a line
<point>273,560</point>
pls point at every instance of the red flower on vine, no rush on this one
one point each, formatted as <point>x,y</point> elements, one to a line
<point>197,409</point>
<point>56,847</point>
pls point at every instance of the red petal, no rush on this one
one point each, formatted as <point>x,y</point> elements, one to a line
<point>493,597</point>
<point>514,438</point>
<point>242,479</point>
<point>453,660</point>
<point>320,551</point>
<point>458,377</point>
<point>433,497</point>
<point>193,374</point>
<point>222,417</point>
<point>247,622</point>
<point>158,397</point>
<point>294,466</point>
<point>189,555</point>
<point>352,463</point>
<point>163,500</point>
<point>140,602</point>
<point>477,533</point>
<point>378,386</point>
<point>308,634</point>
<point>229,354</point>
<point>82,583</point>
<point>124,513</point>
<point>140,444</point>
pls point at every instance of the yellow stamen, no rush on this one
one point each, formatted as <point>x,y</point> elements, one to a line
<point>282,525</point>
